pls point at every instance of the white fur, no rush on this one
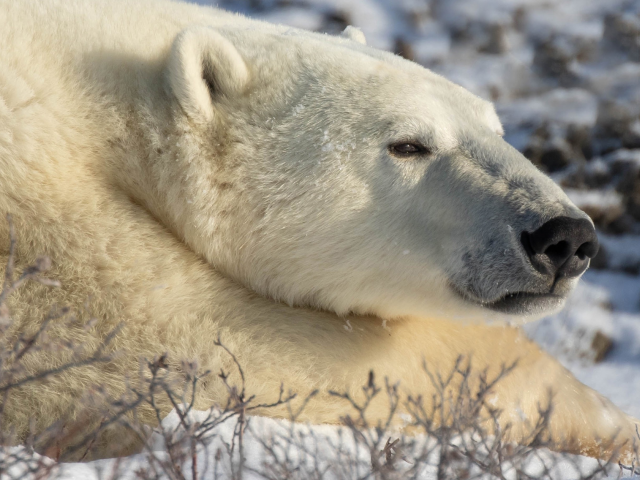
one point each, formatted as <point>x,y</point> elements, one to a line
<point>355,34</point>
<point>199,54</point>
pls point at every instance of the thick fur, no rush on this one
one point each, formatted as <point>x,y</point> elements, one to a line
<point>194,173</point>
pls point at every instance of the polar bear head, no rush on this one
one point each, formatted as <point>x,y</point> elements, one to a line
<point>323,173</point>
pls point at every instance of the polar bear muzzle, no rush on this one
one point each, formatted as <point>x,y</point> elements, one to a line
<point>562,247</point>
<point>560,250</point>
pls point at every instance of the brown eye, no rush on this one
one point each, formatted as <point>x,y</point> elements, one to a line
<point>407,149</point>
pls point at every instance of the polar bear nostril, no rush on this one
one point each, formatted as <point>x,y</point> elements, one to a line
<point>558,252</point>
<point>561,247</point>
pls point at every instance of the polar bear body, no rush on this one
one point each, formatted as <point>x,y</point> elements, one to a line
<point>197,174</point>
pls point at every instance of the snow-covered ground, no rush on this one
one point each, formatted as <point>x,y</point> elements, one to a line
<point>565,77</point>
<point>319,452</point>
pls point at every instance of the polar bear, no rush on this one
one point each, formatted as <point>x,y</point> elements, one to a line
<point>325,207</point>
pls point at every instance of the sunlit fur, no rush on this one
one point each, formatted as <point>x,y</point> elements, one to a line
<point>263,205</point>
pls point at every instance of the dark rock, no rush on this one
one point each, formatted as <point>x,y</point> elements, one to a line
<point>632,202</point>
<point>556,156</point>
<point>495,92</point>
<point>496,42</point>
<point>404,49</point>
<point>629,186</point>
<point>619,225</point>
<point>483,36</point>
<point>632,268</point>
<point>609,219</point>
<point>586,49</point>
<point>624,162</point>
<point>601,345</point>
<point>604,146</point>
<point>631,138</point>
<point>584,178</point>
<point>595,179</point>
<point>535,146</point>
<point>579,137</point>
<point>601,260</point>
<point>617,125</point>
<point>533,151</point>
<point>614,118</point>
<point>622,33</point>
<point>335,21</point>
<point>551,61</point>
<point>543,132</point>
<point>520,18</point>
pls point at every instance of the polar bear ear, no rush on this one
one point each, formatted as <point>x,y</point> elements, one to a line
<point>203,64</point>
<point>355,34</point>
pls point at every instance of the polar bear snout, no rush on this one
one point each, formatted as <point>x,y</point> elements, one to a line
<point>562,247</point>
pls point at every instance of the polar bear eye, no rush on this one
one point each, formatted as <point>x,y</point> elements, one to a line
<point>406,149</point>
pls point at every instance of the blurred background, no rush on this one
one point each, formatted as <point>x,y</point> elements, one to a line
<point>565,79</point>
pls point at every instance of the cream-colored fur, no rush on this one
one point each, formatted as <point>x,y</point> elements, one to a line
<point>194,173</point>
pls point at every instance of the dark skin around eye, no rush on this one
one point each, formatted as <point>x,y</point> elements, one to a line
<point>408,148</point>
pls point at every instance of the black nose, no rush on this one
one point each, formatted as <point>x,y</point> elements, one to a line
<point>562,246</point>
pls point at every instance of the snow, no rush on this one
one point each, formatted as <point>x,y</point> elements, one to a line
<point>295,17</point>
<point>588,198</point>
<point>328,449</point>
<point>570,106</point>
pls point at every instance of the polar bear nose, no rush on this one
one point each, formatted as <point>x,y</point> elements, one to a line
<point>562,246</point>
